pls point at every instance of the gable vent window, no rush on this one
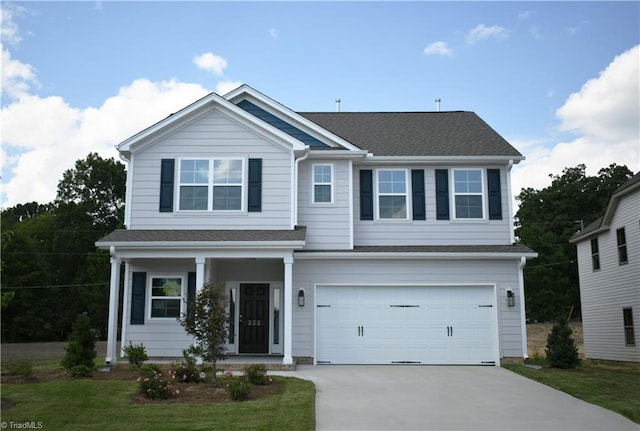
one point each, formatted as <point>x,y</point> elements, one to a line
<point>468,193</point>
<point>392,194</point>
<point>211,184</point>
<point>595,255</point>
<point>622,247</point>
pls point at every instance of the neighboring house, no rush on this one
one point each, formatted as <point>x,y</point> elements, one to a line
<point>364,238</point>
<point>609,273</point>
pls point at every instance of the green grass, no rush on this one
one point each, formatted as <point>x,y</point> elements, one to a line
<point>614,388</point>
<point>87,404</point>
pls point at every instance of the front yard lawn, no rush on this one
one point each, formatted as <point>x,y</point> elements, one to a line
<point>90,404</point>
<point>613,387</point>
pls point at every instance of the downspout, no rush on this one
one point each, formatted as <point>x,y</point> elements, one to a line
<point>523,314</point>
<point>294,191</point>
<point>510,203</point>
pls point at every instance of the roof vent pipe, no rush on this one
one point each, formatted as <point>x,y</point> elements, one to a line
<point>438,104</point>
<point>338,105</point>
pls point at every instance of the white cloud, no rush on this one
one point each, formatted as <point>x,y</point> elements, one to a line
<point>223,87</point>
<point>438,48</point>
<point>211,63</point>
<point>8,28</point>
<point>36,157</point>
<point>482,32</point>
<point>605,114</point>
<point>17,77</point>
<point>534,31</point>
<point>273,33</point>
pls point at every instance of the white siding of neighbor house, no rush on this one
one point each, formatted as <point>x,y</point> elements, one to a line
<point>606,292</point>
<point>328,225</point>
<point>504,274</point>
<point>211,135</point>
<point>432,231</point>
<point>161,338</point>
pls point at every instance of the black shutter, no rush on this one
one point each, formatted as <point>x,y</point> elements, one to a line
<point>442,194</point>
<point>495,194</point>
<point>167,168</point>
<point>366,194</point>
<point>255,186</point>
<point>138,288</point>
<point>191,294</point>
<point>418,194</point>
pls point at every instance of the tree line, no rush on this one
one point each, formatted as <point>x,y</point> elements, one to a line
<point>52,271</point>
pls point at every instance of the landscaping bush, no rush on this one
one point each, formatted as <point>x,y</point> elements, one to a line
<point>81,371</point>
<point>561,349</point>
<point>238,388</point>
<point>257,374</point>
<point>136,354</point>
<point>154,385</point>
<point>187,371</point>
<point>81,349</point>
<point>21,368</point>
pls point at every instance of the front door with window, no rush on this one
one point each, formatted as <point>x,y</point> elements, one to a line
<point>254,318</point>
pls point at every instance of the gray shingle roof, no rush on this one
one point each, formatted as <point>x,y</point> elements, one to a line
<point>122,235</point>
<point>457,133</point>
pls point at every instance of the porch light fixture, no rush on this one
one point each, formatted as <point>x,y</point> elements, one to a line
<point>511,298</point>
<point>300,298</point>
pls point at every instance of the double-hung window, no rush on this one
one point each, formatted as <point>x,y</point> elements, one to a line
<point>211,184</point>
<point>322,184</point>
<point>629,331</point>
<point>392,194</point>
<point>468,193</point>
<point>622,246</point>
<point>166,297</point>
<point>595,255</point>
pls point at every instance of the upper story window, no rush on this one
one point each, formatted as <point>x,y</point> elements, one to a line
<point>622,246</point>
<point>468,193</point>
<point>595,255</point>
<point>392,194</point>
<point>322,184</point>
<point>166,297</point>
<point>211,184</point>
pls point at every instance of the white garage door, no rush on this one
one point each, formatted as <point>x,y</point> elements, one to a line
<point>405,325</point>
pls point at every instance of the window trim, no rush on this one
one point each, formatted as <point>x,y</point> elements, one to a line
<point>211,184</point>
<point>482,194</point>
<point>595,255</point>
<point>629,330</point>
<point>622,248</point>
<point>150,297</point>
<point>313,182</point>
<point>406,194</point>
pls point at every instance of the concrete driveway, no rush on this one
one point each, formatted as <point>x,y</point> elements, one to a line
<point>352,397</point>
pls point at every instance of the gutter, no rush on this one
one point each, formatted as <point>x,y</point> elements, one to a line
<point>294,187</point>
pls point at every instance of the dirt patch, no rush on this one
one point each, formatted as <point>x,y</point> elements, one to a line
<point>537,334</point>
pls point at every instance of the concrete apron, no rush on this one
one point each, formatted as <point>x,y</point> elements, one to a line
<point>354,397</point>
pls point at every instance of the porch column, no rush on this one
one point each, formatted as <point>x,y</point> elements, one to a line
<point>288,309</point>
<point>114,291</point>
<point>126,307</point>
<point>200,261</point>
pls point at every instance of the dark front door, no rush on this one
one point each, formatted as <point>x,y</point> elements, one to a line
<point>254,318</point>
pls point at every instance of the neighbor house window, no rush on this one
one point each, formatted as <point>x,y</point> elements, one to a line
<point>622,246</point>
<point>211,184</point>
<point>467,192</point>
<point>166,297</point>
<point>392,194</point>
<point>322,184</point>
<point>595,255</point>
<point>629,333</point>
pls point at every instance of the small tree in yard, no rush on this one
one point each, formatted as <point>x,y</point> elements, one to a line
<point>81,349</point>
<point>561,349</point>
<point>207,321</point>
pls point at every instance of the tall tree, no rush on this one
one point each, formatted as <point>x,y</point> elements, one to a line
<point>546,220</point>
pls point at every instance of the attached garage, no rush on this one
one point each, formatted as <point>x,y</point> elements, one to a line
<point>365,324</point>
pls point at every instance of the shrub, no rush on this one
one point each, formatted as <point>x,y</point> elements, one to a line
<point>21,368</point>
<point>257,374</point>
<point>154,385</point>
<point>136,354</point>
<point>81,349</point>
<point>187,371</point>
<point>81,371</point>
<point>238,387</point>
<point>561,349</point>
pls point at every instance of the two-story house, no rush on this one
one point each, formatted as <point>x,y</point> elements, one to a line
<point>342,238</point>
<point>609,273</point>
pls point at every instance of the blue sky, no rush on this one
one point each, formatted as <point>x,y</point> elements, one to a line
<point>82,76</point>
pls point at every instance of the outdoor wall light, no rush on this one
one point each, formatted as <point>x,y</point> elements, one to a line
<point>301,298</point>
<point>511,298</point>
